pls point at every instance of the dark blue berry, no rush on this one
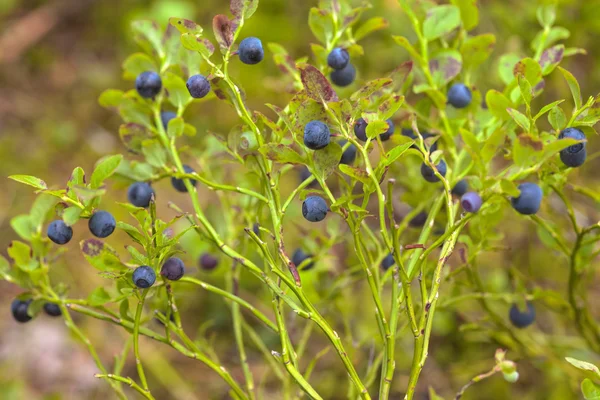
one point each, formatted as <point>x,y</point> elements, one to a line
<point>314,209</point>
<point>343,77</point>
<point>418,220</point>
<point>19,308</point>
<point>298,258</point>
<point>460,188</point>
<point>144,277</point>
<point>251,51</point>
<point>349,155</point>
<point>208,262</point>
<point>316,135</point>
<point>387,262</point>
<point>139,194</point>
<point>529,200</point>
<point>573,156</point>
<point>360,129</point>
<point>59,232</point>
<point>148,84</point>
<point>102,224</point>
<point>338,58</point>
<point>386,135</point>
<point>471,202</point>
<point>428,173</point>
<point>173,269</point>
<point>459,95</point>
<point>52,309</point>
<point>166,116</point>
<point>179,184</point>
<point>198,86</point>
<point>522,319</point>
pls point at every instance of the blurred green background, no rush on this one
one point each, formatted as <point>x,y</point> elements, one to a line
<point>57,56</point>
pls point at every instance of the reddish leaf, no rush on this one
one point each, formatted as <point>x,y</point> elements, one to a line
<point>316,85</point>
<point>223,30</point>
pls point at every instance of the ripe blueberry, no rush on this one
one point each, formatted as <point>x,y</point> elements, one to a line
<point>144,277</point>
<point>529,200</point>
<point>314,209</point>
<point>343,77</point>
<point>102,224</point>
<point>387,262</point>
<point>460,188</point>
<point>198,86</point>
<point>573,156</point>
<point>338,58</point>
<point>349,155</point>
<point>173,269</point>
<point>428,173</point>
<point>360,130</point>
<point>139,194</point>
<point>386,135</point>
<point>178,182</point>
<point>316,135</point>
<point>166,116</point>
<point>52,309</point>
<point>208,262</point>
<point>471,202</point>
<point>59,232</point>
<point>148,84</point>
<point>251,51</point>
<point>459,95</point>
<point>19,310</point>
<point>522,319</point>
<point>298,258</point>
<point>418,220</point>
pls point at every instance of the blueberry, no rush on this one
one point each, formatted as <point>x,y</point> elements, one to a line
<point>459,95</point>
<point>298,258</point>
<point>343,77</point>
<point>573,156</point>
<point>529,200</point>
<point>251,51</point>
<point>418,220</point>
<point>386,135</point>
<point>338,58</point>
<point>52,309</point>
<point>198,86</point>
<point>349,155</point>
<point>460,188</point>
<point>144,277</point>
<point>166,116</point>
<point>102,224</point>
<point>208,262</point>
<point>387,262</point>
<point>173,269</point>
<point>59,232</point>
<point>471,202</point>
<point>256,229</point>
<point>148,84</point>
<point>316,135</point>
<point>428,173</point>
<point>19,310</point>
<point>522,319</point>
<point>360,130</point>
<point>178,183</point>
<point>139,194</point>
<point>314,209</point>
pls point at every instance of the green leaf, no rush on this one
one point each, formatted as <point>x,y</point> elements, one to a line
<point>375,128</point>
<point>491,144</point>
<point>470,140</point>
<point>104,170</point>
<point>509,188</point>
<point>590,390</point>
<point>98,297</point>
<point>476,49</point>
<point>389,107</point>
<point>30,180</point>
<point>154,153</point>
<point>134,111</point>
<point>356,173</point>
<point>71,215</point>
<point>396,153</point>
<point>243,8</point>
<point>573,86</point>
<point>87,193</point>
<point>554,35</point>
<point>315,84</point>
<point>148,35</point>
<point>557,145</point>
<point>21,254</point>
<point>281,154</point>
<point>132,135</point>
<point>320,22</point>
<point>506,67</point>
<point>198,44</point>
<point>100,255</point>
<point>445,66</point>
<point>137,63</point>
<point>497,104</point>
<point>186,26</point>
<point>584,366</point>
<point>530,69</point>
<point>175,127</point>
<point>550,58</point>
<point>525,88</point>
<point>440,20</point>
<point>546,15</point>
<point>370,26</point>
<point>469,14</point>
<point>111,98</point>
<point>179,95</point>
<point>22,225</point>
<point>526,150</point>
<point>326,160</point>
<point>547,108</point>
<point>557,118</point>
<point>370,87</point>
<point>519,118</point>
<point>43,204</point>
<point>133,233</point>
<point>137,257</point>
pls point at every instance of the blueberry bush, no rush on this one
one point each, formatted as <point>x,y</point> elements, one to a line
<point>400,187</point>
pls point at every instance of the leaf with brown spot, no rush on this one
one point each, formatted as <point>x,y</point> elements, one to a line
<point>281,154</point>
<point>528,140</point>
<point>186,26</point>
<point>316,85</point>
<point>100,255</point>
<point>243,8</point>
<point>551,57</point>
<point>223,30</point>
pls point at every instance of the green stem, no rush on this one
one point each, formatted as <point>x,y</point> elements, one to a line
<point>128,381</point>
<point>136,336</point>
